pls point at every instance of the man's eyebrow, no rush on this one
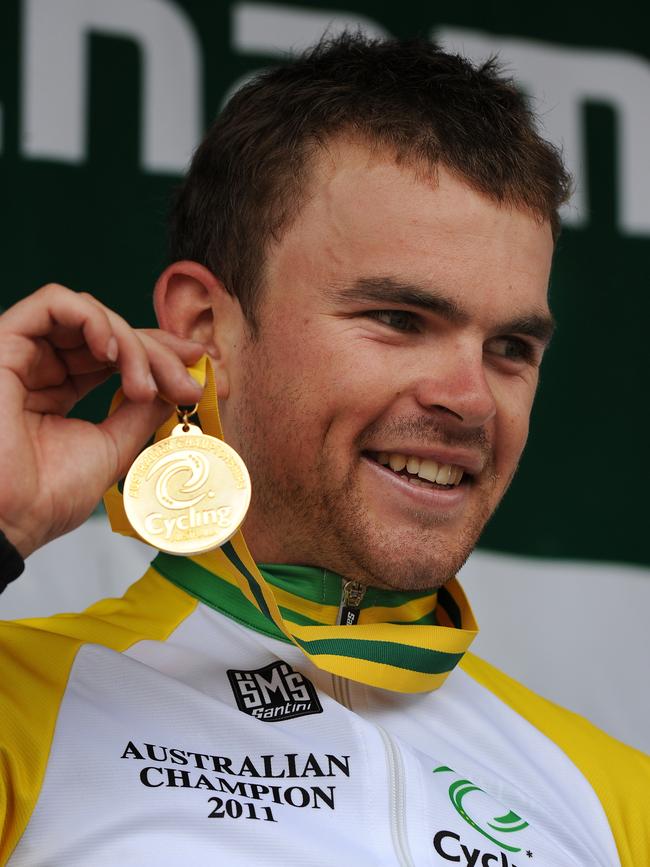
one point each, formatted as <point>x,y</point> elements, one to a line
<point>539,326</point>
<point>387,290</point>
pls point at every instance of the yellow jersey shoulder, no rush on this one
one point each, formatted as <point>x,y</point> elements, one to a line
<point>619,774</point>
<point>36,657</point>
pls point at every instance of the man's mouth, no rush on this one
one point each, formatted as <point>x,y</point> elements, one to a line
<point>421,471</point>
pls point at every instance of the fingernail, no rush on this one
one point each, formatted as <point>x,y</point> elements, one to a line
<point>112,350</point>
<point>197,386</point>
<point>151,382</point>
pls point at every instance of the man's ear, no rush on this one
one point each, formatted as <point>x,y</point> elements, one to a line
<point>192,303</point>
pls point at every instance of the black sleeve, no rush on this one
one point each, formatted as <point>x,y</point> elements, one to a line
<point>11,563</point>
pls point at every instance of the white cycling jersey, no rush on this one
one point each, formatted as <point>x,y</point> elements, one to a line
<point>180,725</point>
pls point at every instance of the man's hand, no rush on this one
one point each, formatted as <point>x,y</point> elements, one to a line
<point>55,347</point>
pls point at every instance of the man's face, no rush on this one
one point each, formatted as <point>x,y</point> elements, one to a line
<point>400,316</point>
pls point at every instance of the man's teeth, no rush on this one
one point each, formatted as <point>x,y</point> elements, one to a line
<point>441,474</point>
<point>397,462</point>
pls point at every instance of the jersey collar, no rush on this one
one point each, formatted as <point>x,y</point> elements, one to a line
<point>407,642</point>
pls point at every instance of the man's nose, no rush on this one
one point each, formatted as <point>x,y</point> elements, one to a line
<point>457,384</point>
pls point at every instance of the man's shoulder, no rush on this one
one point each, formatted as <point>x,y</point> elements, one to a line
<point>36,660</point>
<point>37,654</point>
<point>559,723</point>
<point>618,773</point>
<point>150,608</point>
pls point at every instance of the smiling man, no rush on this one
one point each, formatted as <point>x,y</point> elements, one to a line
<point>417,318</point>
<point>362,246</point>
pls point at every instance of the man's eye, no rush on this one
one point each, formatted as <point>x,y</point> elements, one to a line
<point>513,349</point>
<point>400,320</point>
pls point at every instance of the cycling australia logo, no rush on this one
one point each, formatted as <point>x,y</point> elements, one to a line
<point>450,846</point>
<point>182,484</point>
<point>275,692</point>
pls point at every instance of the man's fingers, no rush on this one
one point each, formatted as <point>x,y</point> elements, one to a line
<point>188,351</point>
<point>66,318</point>
<point>168,369</point>
<point>148,367</point>
<point>59,400</point>
<point>173,381</point>
<point>62,343</point>
<point>80,361</point>
<point>54,308</point>
<point>138,383</point>
<point>33,361</point>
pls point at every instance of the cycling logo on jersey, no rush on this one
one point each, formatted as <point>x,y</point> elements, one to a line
<point>274,692</point>
<point>496,829</point>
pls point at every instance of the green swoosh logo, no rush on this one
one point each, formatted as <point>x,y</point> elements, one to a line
<point>506,824</point>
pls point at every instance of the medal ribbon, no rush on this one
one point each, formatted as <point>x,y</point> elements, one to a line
<point>404,658</point>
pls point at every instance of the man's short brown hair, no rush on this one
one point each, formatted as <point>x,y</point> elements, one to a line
<point>246,182</point>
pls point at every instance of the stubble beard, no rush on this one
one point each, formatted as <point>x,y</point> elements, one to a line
<point>328,524</point>
<point>422,555</point>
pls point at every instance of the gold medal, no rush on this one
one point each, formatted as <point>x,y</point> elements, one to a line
<point>189,492</point>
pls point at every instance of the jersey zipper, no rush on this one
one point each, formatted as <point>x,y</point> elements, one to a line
<point>397,802</point>
<point>352,595</point>
<point>396,777</point>
<point>351,598</point>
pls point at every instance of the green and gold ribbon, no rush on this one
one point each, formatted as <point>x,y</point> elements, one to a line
<point>400,656</point>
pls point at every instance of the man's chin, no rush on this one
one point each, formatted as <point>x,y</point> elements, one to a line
<point>414,574</point>
<point>407,561</point>
<point>394,544</point>
<point>404,545</point>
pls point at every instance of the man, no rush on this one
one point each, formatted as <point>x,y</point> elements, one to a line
<point>362,246</point>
